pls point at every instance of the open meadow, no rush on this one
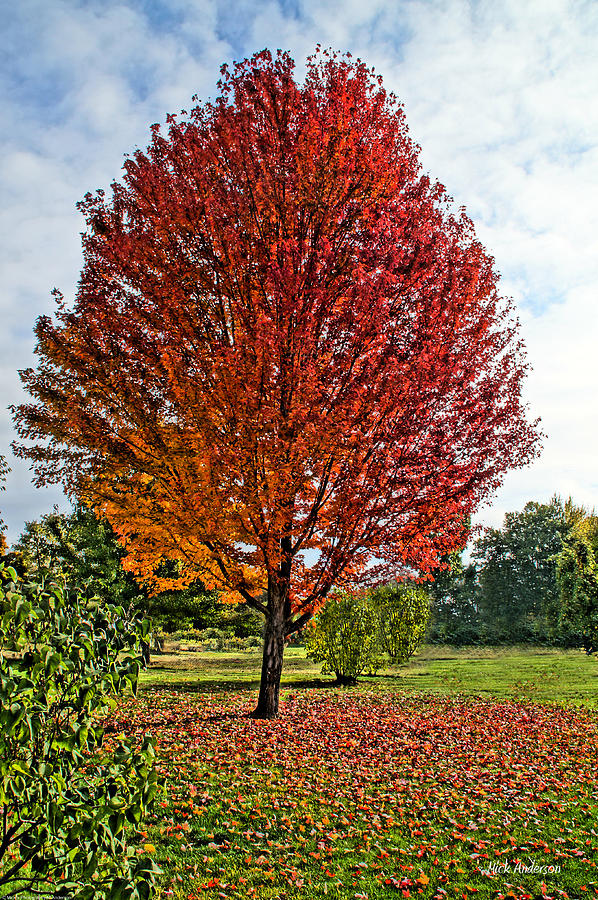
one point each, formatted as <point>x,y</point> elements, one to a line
<point>466,773</point>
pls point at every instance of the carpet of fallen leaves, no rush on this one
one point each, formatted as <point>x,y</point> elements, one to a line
<point>364,795</point>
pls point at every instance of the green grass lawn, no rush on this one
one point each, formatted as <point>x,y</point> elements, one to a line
<point>543,674</point>
<point>466,773</point>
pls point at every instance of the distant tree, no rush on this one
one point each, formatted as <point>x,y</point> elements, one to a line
<point>85,549</point>
<point>577,578</point>
<point>285,339</point>
<point>81,547</point>
<point>518,590</point>
<point>198,608</point>
<point>574,512</point>
<point>454,614</point>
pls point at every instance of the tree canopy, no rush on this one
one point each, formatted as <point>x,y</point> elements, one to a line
<point>518,590</point>
<point>284,340</point>
<point>577,577</point>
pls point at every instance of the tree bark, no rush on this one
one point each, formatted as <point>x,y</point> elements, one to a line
<point>145,653</point>
<point>274,634</point>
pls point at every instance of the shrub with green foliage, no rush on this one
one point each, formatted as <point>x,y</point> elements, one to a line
<point>402,612</point>
<point>352,632</point>
<point>218,639</point>
<point>344,637</point>
<point>69,809</point>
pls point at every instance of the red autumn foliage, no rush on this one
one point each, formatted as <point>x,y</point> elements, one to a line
<point>284,341</point>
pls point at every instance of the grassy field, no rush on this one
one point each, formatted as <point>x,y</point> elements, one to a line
<point>543,674</point>
<point>466,773</point>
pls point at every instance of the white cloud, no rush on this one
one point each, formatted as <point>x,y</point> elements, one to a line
<point>562,389</point>
<point>499,93</point>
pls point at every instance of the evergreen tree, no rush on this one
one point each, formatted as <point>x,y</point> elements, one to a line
<point>85,550</point>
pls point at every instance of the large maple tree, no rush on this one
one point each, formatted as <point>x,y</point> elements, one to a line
<point>288,365</point>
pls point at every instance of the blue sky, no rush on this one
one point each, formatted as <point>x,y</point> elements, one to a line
<point>500,94</point>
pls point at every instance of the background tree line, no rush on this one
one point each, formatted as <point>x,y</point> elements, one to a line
<point>84,550</point>
<point>532,581</point>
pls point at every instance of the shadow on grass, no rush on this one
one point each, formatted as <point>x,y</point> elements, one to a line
<point>222,687</point>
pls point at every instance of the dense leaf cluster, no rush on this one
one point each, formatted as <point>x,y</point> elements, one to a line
<point>577,577</point>
<point>67,808</point>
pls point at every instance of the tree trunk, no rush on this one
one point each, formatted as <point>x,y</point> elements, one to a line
<point>145,653</point>
<point>267,704</point>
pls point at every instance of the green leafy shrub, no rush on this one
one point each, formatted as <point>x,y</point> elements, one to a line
<point>218,640</point>
<point>67,806</point>
<point>190,635</point>
<point>214,639</point>
<point>344,637</point>
<point>352,632</point>
<point>253,642</point>
<point>402,612</point>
